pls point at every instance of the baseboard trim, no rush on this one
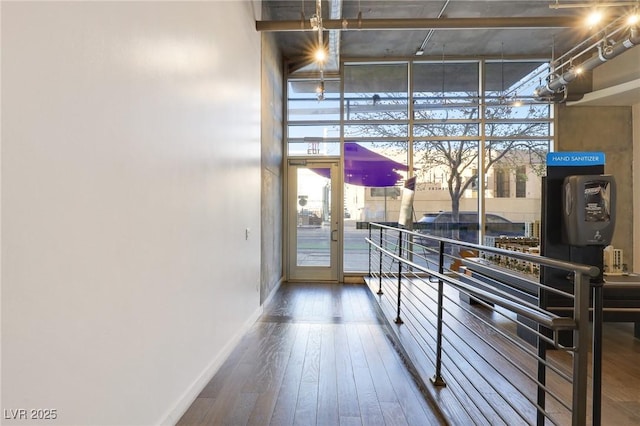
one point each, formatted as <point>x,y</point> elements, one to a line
<point>189,396</point>
<point>273,292</point>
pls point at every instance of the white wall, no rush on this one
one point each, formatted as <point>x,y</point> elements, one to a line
<point>130,170</point>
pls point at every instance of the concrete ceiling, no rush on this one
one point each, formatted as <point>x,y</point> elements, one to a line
<point>542,41</point>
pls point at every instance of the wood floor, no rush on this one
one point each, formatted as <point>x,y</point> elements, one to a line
<point>481,405</point>
<point>319,355</point>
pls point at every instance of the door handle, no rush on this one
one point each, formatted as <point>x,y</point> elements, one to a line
<point>334,235</point>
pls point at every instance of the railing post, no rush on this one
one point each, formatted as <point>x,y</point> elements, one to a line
<point>437,379</point>
<point>597,354</point>
<point>369,247</point>
<point>542,374</point>
<point>398,319</point>
<point>580,343</point>
<point>380,293</point>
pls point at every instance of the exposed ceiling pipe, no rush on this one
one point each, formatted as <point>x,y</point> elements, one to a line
<point>332,62</point>
<point>333,56</point>
<point>605,53</point>
<point>420,50</point>
<point>557,5</point>
<point>424,23</point>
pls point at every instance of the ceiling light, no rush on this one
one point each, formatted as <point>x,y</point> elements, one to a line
<point>320,55</point>
<point>419,52</point>
<point>594,18</point>
<point>633,19</point>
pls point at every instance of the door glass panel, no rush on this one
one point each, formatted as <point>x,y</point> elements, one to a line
<point>313,217</point>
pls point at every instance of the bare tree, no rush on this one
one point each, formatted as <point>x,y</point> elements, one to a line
<point>450,129</point>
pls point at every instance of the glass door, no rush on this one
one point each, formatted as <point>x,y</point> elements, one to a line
<point>313,220</point>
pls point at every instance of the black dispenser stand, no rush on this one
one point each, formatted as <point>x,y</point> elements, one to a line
<point>551,244</point>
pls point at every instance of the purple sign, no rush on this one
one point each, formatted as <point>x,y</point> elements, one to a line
<point>364,167</point>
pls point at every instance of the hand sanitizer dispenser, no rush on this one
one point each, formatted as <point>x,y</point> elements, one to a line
<point>589,213</point>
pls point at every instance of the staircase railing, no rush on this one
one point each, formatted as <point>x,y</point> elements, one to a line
<point>475,322</point>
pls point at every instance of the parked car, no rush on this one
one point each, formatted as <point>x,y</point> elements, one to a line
<point>308,218</point>
<point>314,219</point>
<point>428,217</point>
<point>466,228</point>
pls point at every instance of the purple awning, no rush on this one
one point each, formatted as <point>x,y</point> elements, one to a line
<point>364,167</point>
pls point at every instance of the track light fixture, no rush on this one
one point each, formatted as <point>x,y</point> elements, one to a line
<point>320,91</point>
<point>320,53</point>
<point>320,87</point>
<point>316,22</point>
<point>616,38</point>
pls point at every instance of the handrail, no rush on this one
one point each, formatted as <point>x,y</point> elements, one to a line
<point>589,270</point>
<point>414,299</point>
<point>554,322</point>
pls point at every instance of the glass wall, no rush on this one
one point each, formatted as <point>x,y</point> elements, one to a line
<point>466,130</point>
<point>518,135</point>
<point>313,125</point>
<point>446,133</point>
<point>376,128</point>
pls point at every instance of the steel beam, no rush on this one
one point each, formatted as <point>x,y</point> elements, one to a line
<point>423,23</point>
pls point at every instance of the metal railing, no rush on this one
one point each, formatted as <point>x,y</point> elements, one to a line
<point>480,333</point>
